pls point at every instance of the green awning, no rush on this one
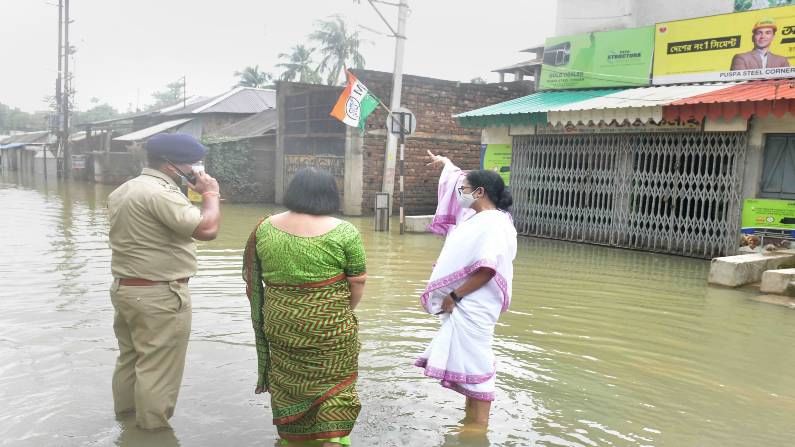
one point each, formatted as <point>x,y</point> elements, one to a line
<point>527,110</point>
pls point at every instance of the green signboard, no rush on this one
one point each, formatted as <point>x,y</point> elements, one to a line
<point>768,214</point>
<point>603,59</point>
<point>497,157</point>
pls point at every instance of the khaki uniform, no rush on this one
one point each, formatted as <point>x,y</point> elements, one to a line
<point>151,227</point>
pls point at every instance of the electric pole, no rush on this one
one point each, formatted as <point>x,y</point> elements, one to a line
<point>390,155</point>
<point>67,151</point>
<point>59,84</point>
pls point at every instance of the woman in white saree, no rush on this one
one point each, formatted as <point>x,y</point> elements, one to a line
<point>471,283</point>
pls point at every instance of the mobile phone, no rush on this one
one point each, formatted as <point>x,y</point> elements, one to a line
<point>189,177</point>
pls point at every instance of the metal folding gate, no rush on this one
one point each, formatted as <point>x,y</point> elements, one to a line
<point>676,193</point>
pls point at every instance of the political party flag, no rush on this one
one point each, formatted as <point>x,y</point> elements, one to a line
<point>355,104</point>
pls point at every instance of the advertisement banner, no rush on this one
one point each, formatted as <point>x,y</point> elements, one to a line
<point>497,157</point>
<point>768,214</point>
<point>603,59</point>
<point>757,44</point>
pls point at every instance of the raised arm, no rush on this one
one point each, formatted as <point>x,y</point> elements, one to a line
<point>207,186</point>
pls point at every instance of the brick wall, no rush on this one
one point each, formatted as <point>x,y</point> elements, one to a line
<point>433,102</point>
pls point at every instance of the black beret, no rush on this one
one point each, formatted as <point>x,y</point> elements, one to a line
<point>176,147</point>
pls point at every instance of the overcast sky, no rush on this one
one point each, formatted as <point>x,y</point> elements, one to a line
<point>127,49</point>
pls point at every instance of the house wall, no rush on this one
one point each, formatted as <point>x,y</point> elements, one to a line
<point>583,16</point>
<point>321,144</point>
<point>114,168</point>
<point>210,123</point>
<point>433,102</point>
<point>263,150</point>
<point>45,165</point>
<point>244,168</point>
<point>758,129</point>
<point>10,159</point>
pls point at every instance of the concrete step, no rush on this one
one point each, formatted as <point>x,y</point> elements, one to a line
<point>418,224</point>
<point>777,300</point>
<point>779,282</point>
<point>736,271</point>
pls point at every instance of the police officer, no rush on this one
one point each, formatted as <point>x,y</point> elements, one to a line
<point>152,228</point>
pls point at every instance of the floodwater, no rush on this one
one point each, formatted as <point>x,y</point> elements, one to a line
<point>601,347</point>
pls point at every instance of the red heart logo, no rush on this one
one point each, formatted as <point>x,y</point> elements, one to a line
<point>663,29</point>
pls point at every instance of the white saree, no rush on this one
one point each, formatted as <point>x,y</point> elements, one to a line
<point>460,355</point>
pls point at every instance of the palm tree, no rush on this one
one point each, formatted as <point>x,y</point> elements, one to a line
<point>252,77</point>
<point>298,65</point>
<point>339,48</point>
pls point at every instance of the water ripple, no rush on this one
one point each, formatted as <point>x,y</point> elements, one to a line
<point>601,347</point>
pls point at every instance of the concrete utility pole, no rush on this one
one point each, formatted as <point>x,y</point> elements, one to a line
<point>67,150</point>
<point>59,84</point>
<point>390,155</point>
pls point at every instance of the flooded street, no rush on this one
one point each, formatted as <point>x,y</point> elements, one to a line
<point>601,347</point>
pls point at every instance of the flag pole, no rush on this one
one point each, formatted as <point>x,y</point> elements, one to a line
<point>381,103</point>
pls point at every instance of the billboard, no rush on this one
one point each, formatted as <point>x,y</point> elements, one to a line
<point>731,47</point>
<point>768,214</point>
<point>497,157</point>
<point>602,59</point>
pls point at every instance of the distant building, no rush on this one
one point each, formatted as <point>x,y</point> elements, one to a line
<point>308,136</point>
<point>122,157</point>
<point>29,153</point>
<point>585,16</point>
<point>658,161</point>
<point>246,148</point>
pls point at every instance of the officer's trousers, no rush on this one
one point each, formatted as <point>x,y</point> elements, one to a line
<point>152,325</point>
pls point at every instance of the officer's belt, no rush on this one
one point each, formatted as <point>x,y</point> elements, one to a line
<point>146,282</point>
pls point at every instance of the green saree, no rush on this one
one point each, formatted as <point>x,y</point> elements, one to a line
<point>305,332</point>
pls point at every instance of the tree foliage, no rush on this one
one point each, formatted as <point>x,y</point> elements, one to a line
<point>99,112</point>
<point>298,65</point>
<point>172,94</point>
<point>339,48</point>
<point>232,164</point>
<point>253,77</point>
<point>14,119</point>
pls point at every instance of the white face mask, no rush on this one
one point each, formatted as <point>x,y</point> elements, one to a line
<point>465,200</point>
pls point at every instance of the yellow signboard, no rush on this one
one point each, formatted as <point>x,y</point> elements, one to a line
<point>729,47</point>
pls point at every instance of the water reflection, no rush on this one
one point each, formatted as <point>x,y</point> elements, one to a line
<point>600,347</point>
<point>132,436</point>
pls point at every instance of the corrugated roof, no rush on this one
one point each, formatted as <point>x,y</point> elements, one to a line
<point>40,137</point>
<point>526,110</point>
<point>153,130</point>
<point>186,106</point>
<point>78,136</point>
<point>746,91</point>
<point>253,126</point>
<point>519,66</point>
<point>237,100</point>
<point>757,98</point>
<point>642,103</point>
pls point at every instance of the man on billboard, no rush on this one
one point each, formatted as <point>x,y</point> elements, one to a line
<point>763,34</point>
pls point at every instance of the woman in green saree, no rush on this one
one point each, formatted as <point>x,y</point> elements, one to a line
<point>313,269</point>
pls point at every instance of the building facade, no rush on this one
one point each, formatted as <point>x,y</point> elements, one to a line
<point>308,136</point>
